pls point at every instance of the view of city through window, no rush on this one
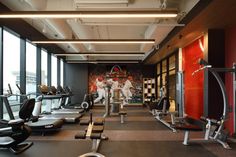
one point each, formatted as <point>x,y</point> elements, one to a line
<point>44,66</point>
<point>54,71</point>
<point>11,68</point>
<point>31,83</point>
<point>62,72</point>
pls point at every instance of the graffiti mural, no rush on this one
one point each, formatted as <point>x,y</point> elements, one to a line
<point>126,78</point>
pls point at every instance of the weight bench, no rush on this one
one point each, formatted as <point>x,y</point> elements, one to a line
<point>187,128</point>
<point>97,121</point>
<point>161,111</point>
<point>94,132</point>
<point>189,124</point>
<point>96,138</point>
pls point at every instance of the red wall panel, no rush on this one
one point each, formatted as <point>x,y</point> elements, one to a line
<point>230,58</point>
<point>193,84</point>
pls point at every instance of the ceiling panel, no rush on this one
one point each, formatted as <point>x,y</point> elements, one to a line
<point>123,28</point>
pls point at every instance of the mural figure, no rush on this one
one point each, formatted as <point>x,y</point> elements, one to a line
<point>100,89</point>
<point>126,89</point>
<point>114,85</point>
<point>117,77</point>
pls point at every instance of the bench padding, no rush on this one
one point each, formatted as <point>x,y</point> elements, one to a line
<point>99,121</point>
<point>84,122</point>
<point>190,124</point>
<point>188,127</point>
<point>95,136</point>
<point>80,135</point>
<point>97,129</point>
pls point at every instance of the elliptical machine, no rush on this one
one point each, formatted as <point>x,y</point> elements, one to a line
<point>13,133</point>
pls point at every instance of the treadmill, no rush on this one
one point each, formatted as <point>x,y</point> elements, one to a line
<point>38,125</point>
<point>66,103</point>
<point>67,118</point>
<point>53,93</point>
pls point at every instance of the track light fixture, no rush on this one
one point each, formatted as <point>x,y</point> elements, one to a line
<point>96,41</point>
<point>100,54</point>
<point>90,14</point>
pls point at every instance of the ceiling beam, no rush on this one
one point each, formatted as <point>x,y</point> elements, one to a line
<point>20,26</point>
<point>156,56</point>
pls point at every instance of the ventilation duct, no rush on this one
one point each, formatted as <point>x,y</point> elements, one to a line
<point>100,3</point>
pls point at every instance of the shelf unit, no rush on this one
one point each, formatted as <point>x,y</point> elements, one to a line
<point>149,89</point>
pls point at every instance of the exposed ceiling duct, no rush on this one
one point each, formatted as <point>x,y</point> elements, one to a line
<point>100,3</point>
<point>36,4</point>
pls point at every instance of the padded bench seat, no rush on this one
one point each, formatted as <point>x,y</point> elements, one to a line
<point>84,122</point>
<point>189,127</point>
<point>95,136</point>
<point>99,121</point>
<point>93,131</point>
<point>80,135</point>
<point>97,129</point>
<point>190,124</point>
<point>186,127</point>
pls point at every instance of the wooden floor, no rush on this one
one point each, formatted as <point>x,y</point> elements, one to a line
<point>141,135</point>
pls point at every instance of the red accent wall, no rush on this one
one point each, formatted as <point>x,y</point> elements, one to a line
<point>230,58</point>
<point>193,90</point>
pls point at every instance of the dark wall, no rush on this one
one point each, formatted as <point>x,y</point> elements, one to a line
<point>216,52</point>
<point>148,70</point>
<point>76,77</point>
<point>230,59</point>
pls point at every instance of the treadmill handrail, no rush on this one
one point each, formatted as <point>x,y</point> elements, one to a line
<point>52,96</point>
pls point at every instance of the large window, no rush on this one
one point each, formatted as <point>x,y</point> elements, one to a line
<point>158,80</point>
<point>172,77</point>
<point>11,68</point>
<point>44,68</point>
<point>31,83</point>
<point>164,73</point>
<point>166,76</point>
<point>62,72</point>
<point>54,71</point>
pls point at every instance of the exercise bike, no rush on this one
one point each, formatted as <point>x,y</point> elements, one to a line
<point>13,133</point>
